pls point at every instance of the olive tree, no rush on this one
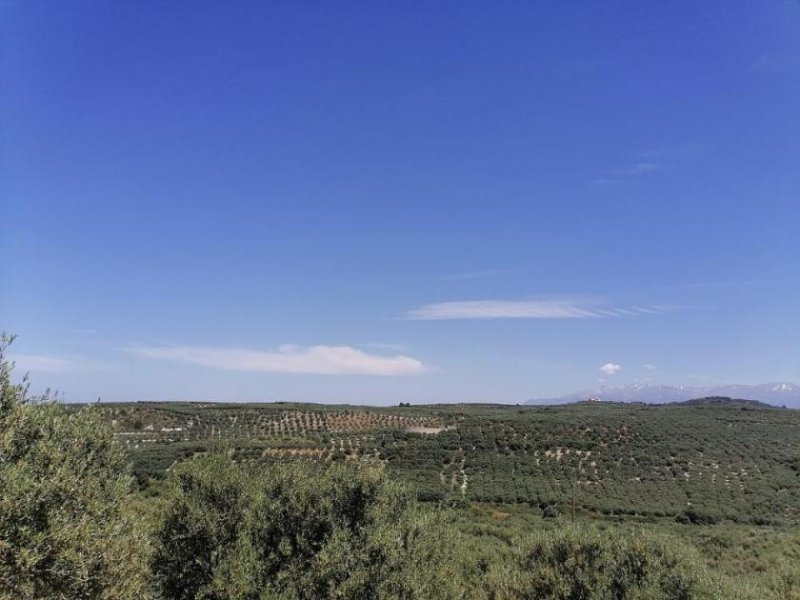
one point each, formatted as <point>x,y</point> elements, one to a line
<point>573,563</point>
<point>66,530</point>
<point>296,530</point>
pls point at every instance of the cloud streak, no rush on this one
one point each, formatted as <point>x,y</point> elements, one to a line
<point>38,363</point>
<point>637,169</point>
<point>478,274</point>
<point>627,174</point>
<point>526,309</point>
<point>314,360</point>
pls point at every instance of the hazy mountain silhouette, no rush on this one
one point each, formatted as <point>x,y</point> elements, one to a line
<point>777,394</point>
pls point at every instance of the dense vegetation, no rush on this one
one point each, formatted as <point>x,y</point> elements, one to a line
<point>297,531</point>
<point>66,527</point>
<point>700,463</point>
<point>303,501</point>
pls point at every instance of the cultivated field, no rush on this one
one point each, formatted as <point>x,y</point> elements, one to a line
<point>698,463</point>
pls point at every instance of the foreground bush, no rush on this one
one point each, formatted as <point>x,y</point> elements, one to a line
<point>572,564</point>
<point>303,530</point>
<point>296,530</point>
<point>64,527</point>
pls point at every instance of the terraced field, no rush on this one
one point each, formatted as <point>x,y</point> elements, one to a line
<point>701,463</point>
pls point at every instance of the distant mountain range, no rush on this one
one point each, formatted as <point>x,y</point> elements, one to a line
<point>778,394</point>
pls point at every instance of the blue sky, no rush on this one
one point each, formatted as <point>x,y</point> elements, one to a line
<point>376,202</point>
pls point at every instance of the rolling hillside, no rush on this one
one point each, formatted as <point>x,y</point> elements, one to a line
<point>698,462</point>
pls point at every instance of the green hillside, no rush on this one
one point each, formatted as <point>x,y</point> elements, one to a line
<point>699,462</point>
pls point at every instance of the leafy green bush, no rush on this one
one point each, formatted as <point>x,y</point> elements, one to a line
<point>295,530</point>
<point>65,527</point>
<point>573,564</point>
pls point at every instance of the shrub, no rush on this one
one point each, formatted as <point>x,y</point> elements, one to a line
<point>694,517</point>
<point>574,564</point>
<point>295,530</point>
<point>66,530</point>
<point>550,511</point>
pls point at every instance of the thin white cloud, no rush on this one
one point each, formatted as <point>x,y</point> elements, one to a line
<point>611,369</point>
<point>478,274</point>
<point>37,363</point>
<point>650,367</point>
<point>676,150</point>
<point>385,346</point>
<point>628,174</point>
<point>315,360</point>
<point>525,309</point>
<point>637,169</point>
<point>776,63</point>
<point>724,284</point>
<point>609,181</point>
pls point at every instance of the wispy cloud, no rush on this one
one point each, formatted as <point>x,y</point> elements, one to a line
<point>674,150</point>
<point>627,174</point>
<point>637,169</point>
<point>38,363</point>
<point>385,346</point>
<point>315,360</point>
<point>528,309</point>
<point>776,63</point>
<point>611,369</point>
<point>609,181</point>
<point>478,274</point>
<point>723,284</point>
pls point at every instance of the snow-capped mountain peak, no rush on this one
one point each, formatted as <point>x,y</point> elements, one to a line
<point>777,393</point>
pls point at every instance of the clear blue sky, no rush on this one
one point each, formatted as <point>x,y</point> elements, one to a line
<point>375,201</point>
